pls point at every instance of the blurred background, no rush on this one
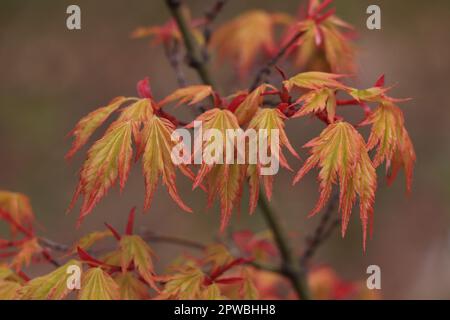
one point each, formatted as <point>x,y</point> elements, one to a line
<point>50,77</point>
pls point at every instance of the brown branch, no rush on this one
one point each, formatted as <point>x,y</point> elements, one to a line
<point>265,71</point>
<point>194,52</point>
<point>173,54</point>
<point>150,236</point>
<point>322,232</point>
<point>147,235</point>
<point>210,16</point>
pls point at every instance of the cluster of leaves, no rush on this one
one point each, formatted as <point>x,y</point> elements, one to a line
<point>141,129</point>
<point>324,44</point>
<point>126,271</point>
<point>340,151</point>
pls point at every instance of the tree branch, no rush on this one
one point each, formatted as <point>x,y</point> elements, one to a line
<point>194,52</point>
<point>323,231</point>
<point>290,267</point>
<point>172,52</point>
<point>210,16</point>
<point>267,69</point>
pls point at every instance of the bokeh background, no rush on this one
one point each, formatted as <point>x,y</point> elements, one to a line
<point>50,77</point>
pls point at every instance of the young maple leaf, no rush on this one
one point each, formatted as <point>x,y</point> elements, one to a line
<point>17,208</point>
<point>88,124</point>
<point>109,159</point>
<point>248,290</point>
<point>52,286</point>
<point>90,239</point>
<point>186,284</point>
<point>246,109</point>
<point>268,119</point>
<point>168,32</point>
<point>10,283</point>
<point>323,35</point>
<point>96,284</point>
<point>314,80</point>
<point>246,36</point>
<point>222,179</point>
<point>404,157</point>
<point>318,100</point>
<point>157,161</point>
<point>9,289</point>
<point>27,250</point>
<point>136,251</point>
<point>189,95</point>
<point>341,153</point>
<point>393,143</point>
<point>130,287</point>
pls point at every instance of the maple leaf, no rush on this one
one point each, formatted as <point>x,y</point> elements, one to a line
<point>130,287</point>
<point>404,157</point>
<point>374,94</point>
<point>96,284</point>
<point>212,292</point>
<point>341,154</point>
<point>186,284</point>
<point>168,32</point>
<point>136,251</point>
<point>9,289</point>
<point>87,125</point>
<point>222,179</point>
<point>9,275</point>
<point>16,207</point>
<point>249,106</point>
<point>314,80</point>
<point>52,286</point>
<point>244,37</point>
<point>393,143</point>
<point>248,291</point>
<point>188,95</point>
<point>218,255</point>
<point>90,239</point>
<point>157,160</point>
<point>316,101</point>
<point>27,250</point>
<point>268,119</point>
<point>325,40</point>
<point>108,159</point>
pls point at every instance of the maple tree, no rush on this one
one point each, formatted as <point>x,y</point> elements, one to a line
<point>318,49</point>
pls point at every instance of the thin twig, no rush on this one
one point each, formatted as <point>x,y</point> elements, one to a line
<point>194,52</point>
<point>210,16</point>
<point>173,54</point>
<point>149,236</point>
<point>322,232</point>
<point>267,69</point>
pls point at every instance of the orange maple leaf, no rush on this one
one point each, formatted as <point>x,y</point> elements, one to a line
<point>318,100</point>
<point>393,143</point>
<point>221,178</point>
<point>110,158</point>
<point>17,208</point>
<point>268,119</point>
<point>341,153</point>
<point>323,35</point>
<point>188,95</point>
<point>246,36</point>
